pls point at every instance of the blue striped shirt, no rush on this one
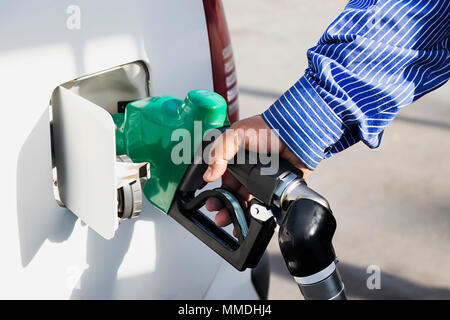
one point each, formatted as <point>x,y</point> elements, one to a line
<point>375,58</point>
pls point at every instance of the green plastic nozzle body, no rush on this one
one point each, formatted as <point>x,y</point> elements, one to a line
<point>166,132</point>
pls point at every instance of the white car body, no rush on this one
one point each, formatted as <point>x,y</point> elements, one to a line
<point>47,253</point>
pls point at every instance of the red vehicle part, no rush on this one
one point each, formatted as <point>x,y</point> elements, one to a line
<point>222,60</point>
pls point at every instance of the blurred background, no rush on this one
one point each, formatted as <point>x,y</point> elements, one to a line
<point>392,204</point>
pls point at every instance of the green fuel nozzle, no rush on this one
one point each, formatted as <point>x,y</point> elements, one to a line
<point>154,129</point>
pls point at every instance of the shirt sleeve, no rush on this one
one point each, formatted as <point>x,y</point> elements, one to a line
<point>375,58</point>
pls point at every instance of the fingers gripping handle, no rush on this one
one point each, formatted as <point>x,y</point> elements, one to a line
<point>242,254</point>
<point>230,203</point>
<point>251,244</point>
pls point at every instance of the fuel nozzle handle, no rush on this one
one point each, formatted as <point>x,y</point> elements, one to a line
<point>262,180</point>
<point>306,222</point>
<point>281,197</point>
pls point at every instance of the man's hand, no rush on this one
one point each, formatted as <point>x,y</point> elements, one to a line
<point>245,132</point>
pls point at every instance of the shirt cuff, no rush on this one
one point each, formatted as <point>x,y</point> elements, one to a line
<point>305,123</point>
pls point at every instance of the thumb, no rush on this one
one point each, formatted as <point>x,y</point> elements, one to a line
<point>223,149</point>
<point>215,170</point>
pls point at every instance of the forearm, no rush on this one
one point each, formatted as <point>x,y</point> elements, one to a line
<point>371,61</point>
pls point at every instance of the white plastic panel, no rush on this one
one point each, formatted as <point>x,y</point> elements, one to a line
<point>127,82</point>
<point>85,154</point>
